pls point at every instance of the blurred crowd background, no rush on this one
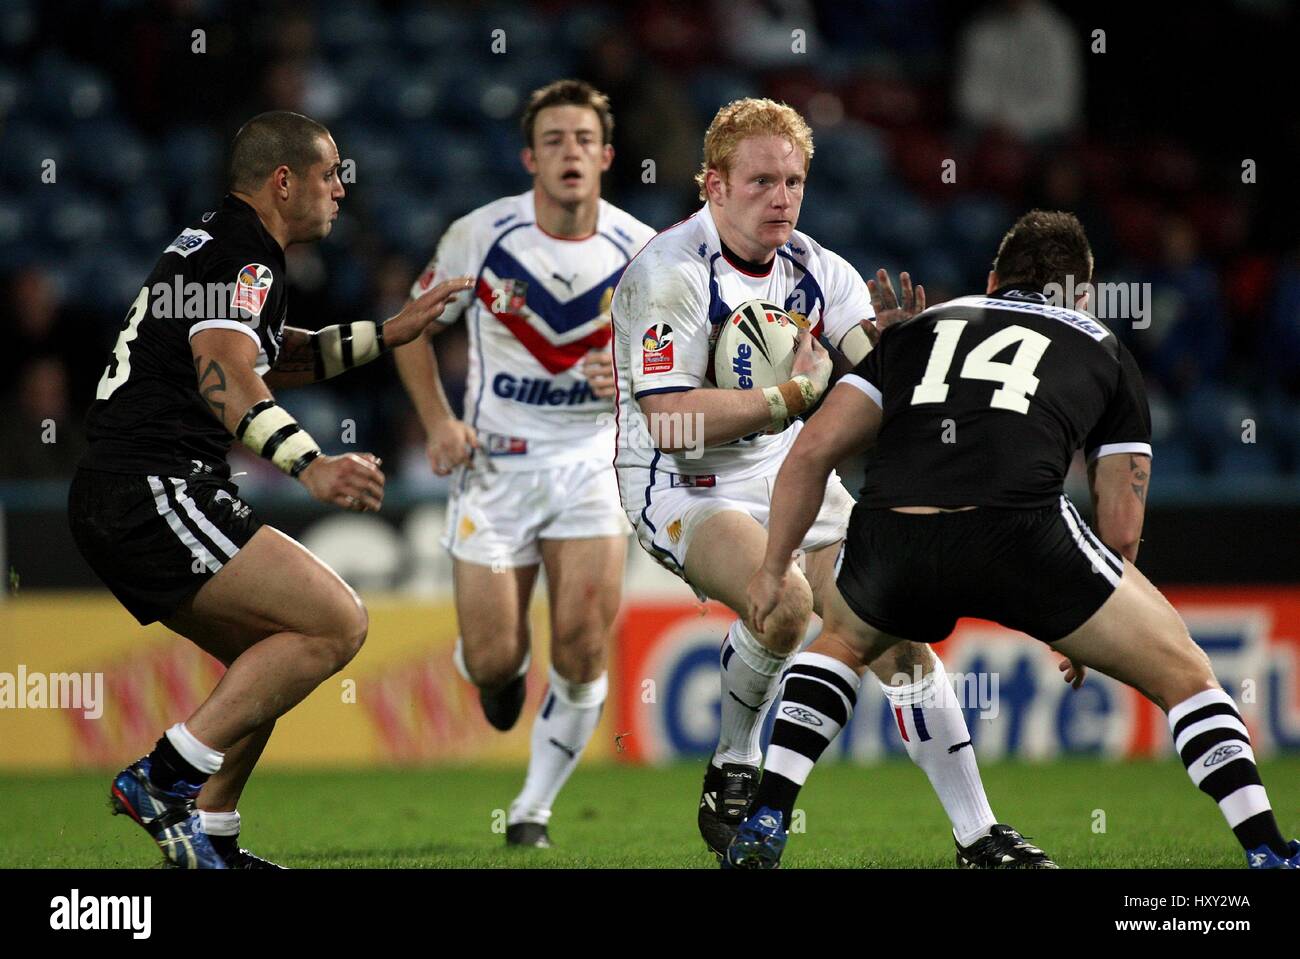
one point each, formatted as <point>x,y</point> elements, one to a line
<point>1142,131</point>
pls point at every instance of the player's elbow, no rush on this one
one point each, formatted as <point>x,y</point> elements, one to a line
<point>1120,528</point>
<point>666,423</point>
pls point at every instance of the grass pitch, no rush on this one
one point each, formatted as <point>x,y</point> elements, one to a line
<point>619,817</point>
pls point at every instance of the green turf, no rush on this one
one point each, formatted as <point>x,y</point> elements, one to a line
<point>612,816</point>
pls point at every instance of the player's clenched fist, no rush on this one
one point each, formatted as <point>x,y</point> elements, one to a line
<point>352,481</point>
<point>451,443</point>
<point>420,312</point>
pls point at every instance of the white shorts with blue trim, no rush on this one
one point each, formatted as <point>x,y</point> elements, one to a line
<point>498,519</point>
<point>670,513</point>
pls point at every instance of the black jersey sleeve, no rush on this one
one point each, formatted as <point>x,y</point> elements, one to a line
<point>247,293</point>
<point>866,376</point>
<point>1125,424</point>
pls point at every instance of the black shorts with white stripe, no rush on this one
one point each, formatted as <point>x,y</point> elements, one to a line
<point>154,540</point>
<point>1040,571</point>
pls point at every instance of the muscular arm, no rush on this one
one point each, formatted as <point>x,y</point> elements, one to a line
<point>224,364</point>
<point>306,357</point>
<point>296,364</point>
<point>1118,484</point>
<point>847,422</point>
<point>725,414</point>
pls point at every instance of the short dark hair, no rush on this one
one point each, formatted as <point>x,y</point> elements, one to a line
<point>561,93</point>
<point>1044,246</point>
<point>269,140</point>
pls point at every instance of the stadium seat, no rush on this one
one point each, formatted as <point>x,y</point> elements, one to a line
<point>851,156</point>
<point>64,90</point>
<point>24,148</point>
<point>119,157</point>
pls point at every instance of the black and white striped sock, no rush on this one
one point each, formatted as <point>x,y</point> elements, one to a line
<point>818,695</point>
<point>1214,745</point>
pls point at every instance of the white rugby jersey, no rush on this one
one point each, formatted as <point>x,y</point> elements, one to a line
<point>540,302</point>
<point>666,306</point>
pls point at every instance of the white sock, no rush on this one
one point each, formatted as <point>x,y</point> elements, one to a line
<point>203,758</point>
<point>219,823</point>
<point>750,676</point>
<point>562,729</point>
<point>932,724</point>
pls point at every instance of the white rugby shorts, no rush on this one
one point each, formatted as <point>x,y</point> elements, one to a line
<point>671,511</point>
<point>498,518</point>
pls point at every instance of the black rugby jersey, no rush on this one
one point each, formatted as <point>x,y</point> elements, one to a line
<point>986,399</point>
<point>223,271</point>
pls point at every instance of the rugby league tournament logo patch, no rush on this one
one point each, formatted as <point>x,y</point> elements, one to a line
<point>657,349</point>
<point>251,287</point>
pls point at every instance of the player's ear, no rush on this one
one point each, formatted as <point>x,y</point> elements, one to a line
<point>529,161</point>
<point>993,282</point>
<point>280,180</point>
<point>607,156</point>
<point>714,185</point>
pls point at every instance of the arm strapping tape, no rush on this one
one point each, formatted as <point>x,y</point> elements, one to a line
<point>339,348</point>
<point>272,433</point>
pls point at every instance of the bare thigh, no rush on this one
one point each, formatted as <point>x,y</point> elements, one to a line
<point>725,552</point>
<point>492,610</point>
<point>273,585</point>
<point>1139,639</point>
<point>584,582</point>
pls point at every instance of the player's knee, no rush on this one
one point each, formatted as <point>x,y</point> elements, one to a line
<point>903,662</point>
<point>344,633</point>
<point>1185,670</point>
<point>492,667</point>
<point>582,659</point>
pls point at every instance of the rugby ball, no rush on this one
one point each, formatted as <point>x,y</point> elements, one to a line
<point>755,347</point>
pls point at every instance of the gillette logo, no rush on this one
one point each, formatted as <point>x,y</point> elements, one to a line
<point>541,392</point>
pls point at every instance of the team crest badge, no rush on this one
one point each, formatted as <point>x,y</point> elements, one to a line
<point>657,349</point>
<point>252,286</point>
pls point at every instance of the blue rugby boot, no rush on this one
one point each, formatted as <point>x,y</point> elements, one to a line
<point>1265,858</point>
<point>759,842</point>
<point>167,816</point>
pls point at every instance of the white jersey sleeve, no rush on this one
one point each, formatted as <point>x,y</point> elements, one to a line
<point>848,301</point>
<point>662,303</point>
<point>458,254</point>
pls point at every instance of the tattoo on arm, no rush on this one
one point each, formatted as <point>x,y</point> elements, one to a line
<point>212,386</point>
<point>1139,477</point>
<point>296,352</point>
